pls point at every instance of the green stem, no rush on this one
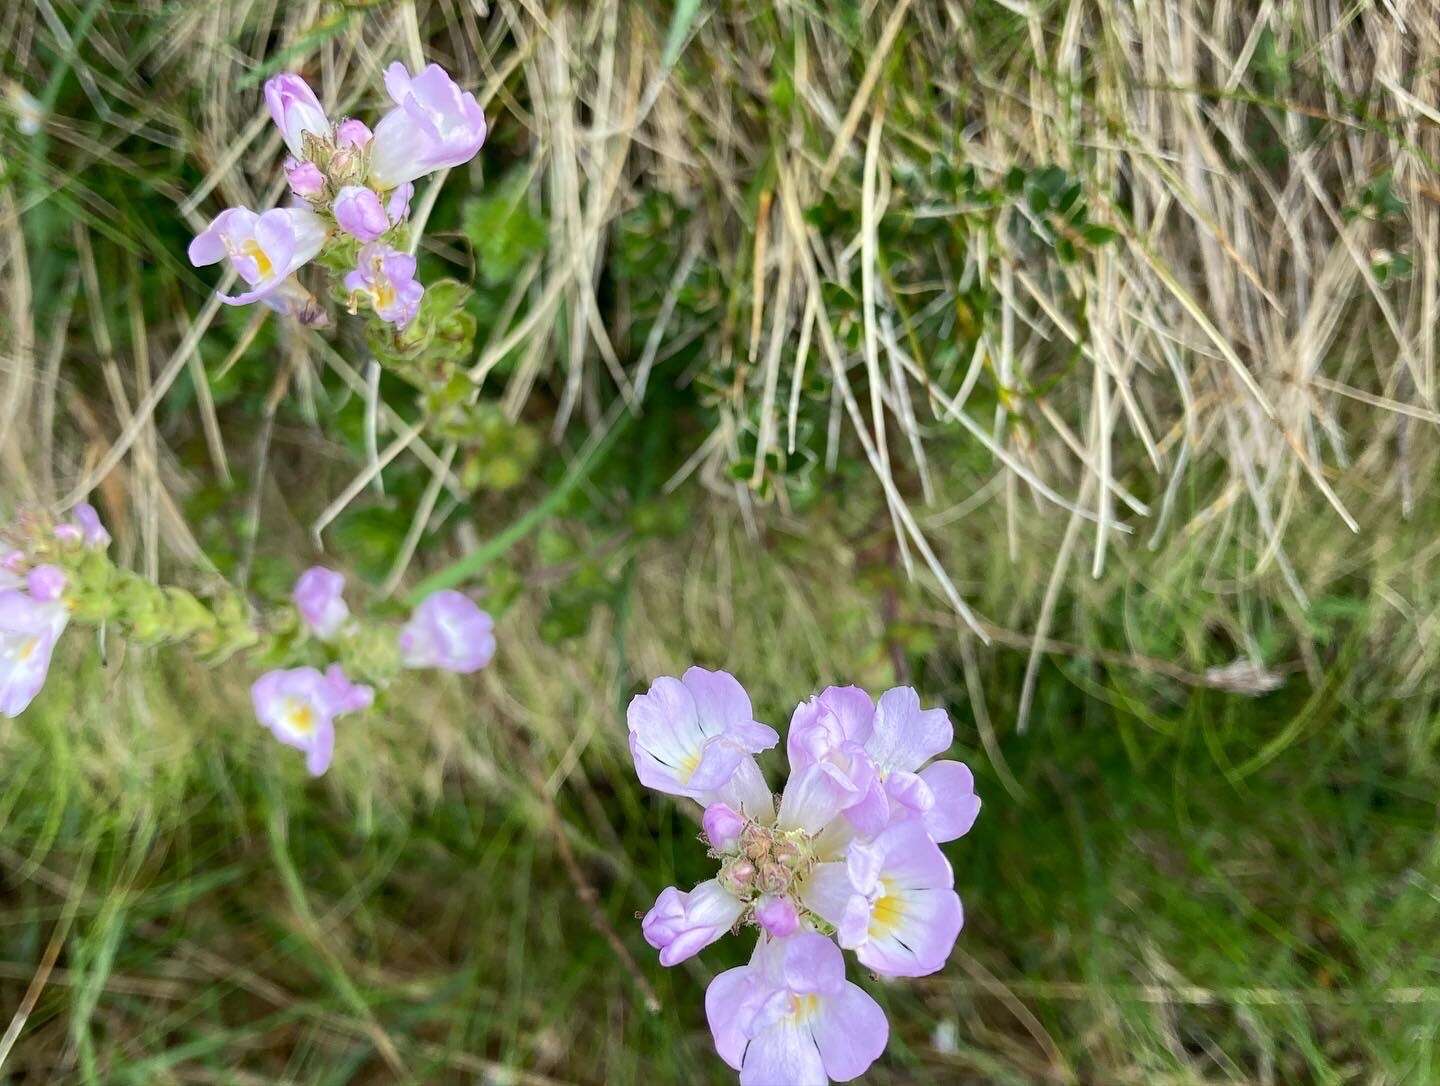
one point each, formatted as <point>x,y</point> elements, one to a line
<point>462,569</point>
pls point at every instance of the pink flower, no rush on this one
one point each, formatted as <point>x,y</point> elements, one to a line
<point>680,925</point>
<point>818,792</point>
<point>691,736</point>
<point>318,597</point>
<point>300,705</point>
<point>904,740</point>
<point>891,901</point>
<point>29,630</point>
<point>899,739</point>
<point>386,277</point>
<point>296,110</point>
<point>448,631</point>
<point>434,125</point>
<point>791,1017</point>
<point>397,206</point>
<point>264,249</point>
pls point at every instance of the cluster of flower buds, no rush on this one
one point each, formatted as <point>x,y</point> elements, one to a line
<point>352,190</point>
<point>850,855</point>
<point>447,631</point>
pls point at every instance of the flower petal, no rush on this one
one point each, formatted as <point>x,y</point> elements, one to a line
<point>729,1006</point>
<point>956,805</point>
<point>905,735</point>
<point>850,1031</point>
<point>783,1054</point>
<point>834,715</point>
<point>811,964</point>
<point>912,932</point>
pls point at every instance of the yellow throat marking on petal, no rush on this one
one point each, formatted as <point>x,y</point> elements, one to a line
<point>300,718</point>
<point>251,248</point>
<point>804,1007</point>
<point>688,765</point>
<point>28,649</point>
<point>888,911</point>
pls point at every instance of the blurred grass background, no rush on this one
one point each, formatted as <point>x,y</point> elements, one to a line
<point>1041,355</point>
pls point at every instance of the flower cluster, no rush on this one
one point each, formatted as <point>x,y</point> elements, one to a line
<point>850,855</point>
<point>352,189</point>
<point>34,610</point>
<point>447,631</point>
<point>54,573</point>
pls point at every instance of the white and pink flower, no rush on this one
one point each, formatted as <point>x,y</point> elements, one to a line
<point>299,706</point>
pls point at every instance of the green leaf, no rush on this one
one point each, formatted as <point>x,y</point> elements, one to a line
<point>1097,235</point>
<point>680,23</point>
<point>503,230</point>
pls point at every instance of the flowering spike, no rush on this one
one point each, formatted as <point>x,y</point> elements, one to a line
<point>851,850</point>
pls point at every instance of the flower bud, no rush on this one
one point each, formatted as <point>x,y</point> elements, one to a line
<point>305,178</point>
<point>345,166</point>
<point>774,879</point>
<point>295,110</point>
<point>723,825</point>
<point>778,916</point>
<point>359,212</point>
<point>352,133</point>
<point>46,583</point>
<point>738,877</point>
